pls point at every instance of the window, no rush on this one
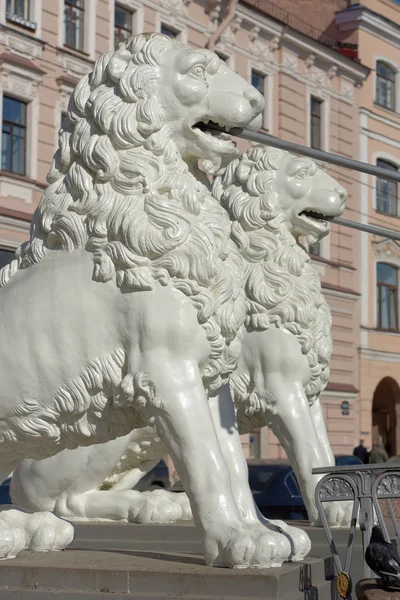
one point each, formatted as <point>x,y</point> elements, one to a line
<point>222,57</point>
<point>385,86</point>
<point>386,297</point>
<point>73,21</point>
<point>386,191</point>
<point>13,140</point>
<point>315,123</point>
<point>165,30</point>
<point>123,25</point>
<point>315,249</point>
<point>20,8</point>
<point>258,81</point>
<point>6,256</point>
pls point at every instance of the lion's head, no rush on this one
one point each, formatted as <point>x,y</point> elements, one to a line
<point>272,197</point>
<point>123,171</point>
<point>308,197</point>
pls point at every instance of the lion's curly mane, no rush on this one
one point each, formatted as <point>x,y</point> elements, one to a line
<point>282,288</point>
<point>119,189</point>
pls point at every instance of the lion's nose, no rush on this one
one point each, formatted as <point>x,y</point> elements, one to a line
<point>342,194</point>
<point>255,98</point>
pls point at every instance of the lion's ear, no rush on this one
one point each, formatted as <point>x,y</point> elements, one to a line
<point>243,170</point>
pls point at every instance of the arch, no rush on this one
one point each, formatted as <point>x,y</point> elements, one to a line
<point>386,415</point>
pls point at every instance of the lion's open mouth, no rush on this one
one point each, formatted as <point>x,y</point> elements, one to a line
<point>317,217</point>
<point>214,133</point>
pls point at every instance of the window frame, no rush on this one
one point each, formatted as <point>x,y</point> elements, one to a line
<point>393,287</point>
<point>394,94</point>
<point>23,126</point>
<point>172,29</point>
<point>27,5</point>
<point>312,116</point>
<point>73,7</point>
<point>131,16</point>
<point>390,165</point>
<point>265,78</point>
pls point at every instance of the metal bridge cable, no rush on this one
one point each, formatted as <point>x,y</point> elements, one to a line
<point>387,233</point>
<point>335,159</point>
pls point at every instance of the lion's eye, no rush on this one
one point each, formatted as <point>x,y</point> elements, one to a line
<point>302,174</point>
<point>198,71</point>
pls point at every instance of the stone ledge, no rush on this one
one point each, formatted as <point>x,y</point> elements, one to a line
<point>372,589</point>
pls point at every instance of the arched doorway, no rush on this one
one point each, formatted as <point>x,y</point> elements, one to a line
<point>385,410</point>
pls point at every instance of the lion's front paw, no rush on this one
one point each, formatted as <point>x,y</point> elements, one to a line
<point>245,545</point>
<point>40,532</point>
<point>299,540</point>
<point>156,509</point>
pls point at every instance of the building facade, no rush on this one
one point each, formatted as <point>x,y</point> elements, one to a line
<point>313,89</point>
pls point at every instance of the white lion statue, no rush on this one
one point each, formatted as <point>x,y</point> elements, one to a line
<point>272,197</point>
<point>126,307</point>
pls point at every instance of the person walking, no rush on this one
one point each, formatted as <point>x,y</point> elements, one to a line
<point>361,452</point>
<point>378,454</point>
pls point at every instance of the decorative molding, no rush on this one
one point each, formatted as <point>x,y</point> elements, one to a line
<point>387,250</point>
<point>377,25</point>
<point>73,65</point>
<point>379,355</point>
<point>28,48</point>
<point>337,488</point>
<point>15,225</point>
<point>16,189</point>
<point>389,486</point>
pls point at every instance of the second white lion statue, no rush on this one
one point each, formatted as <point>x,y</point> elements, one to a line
<point>126,307</point>
<point>272,197</point>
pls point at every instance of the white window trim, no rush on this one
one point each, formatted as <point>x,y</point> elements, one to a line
<point>170,21</point>
<point>22,84</point>
<point>393,261</point>
<point>137,10</point>
<point>396,69</point>
<point>268,120</point>
<point>395,161</point>
<point>89,28</point>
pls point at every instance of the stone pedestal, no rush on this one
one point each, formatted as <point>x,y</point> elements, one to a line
<point>119,561</point>
<point>372,589</point>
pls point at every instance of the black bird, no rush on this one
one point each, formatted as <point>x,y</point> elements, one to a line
<point>382,559</point>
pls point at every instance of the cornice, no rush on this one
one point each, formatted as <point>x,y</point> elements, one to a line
<point>370,21</point>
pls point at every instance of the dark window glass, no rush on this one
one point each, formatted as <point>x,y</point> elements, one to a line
<point>165,30</point>
<point>387,297</point>
<point>13,140</point>
<point>74,22</point>
<point>123,25</point>
<point>385,86</point>
<point>258,81</point>
<point>315,249</point>
<point>19,8</point>
<point>315,123</point>
<point>6,256</point>
<point>386,191</point>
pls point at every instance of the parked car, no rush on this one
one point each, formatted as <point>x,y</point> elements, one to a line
<point>5,497</point>
<point>276,491</point>
<point>158,477</point>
